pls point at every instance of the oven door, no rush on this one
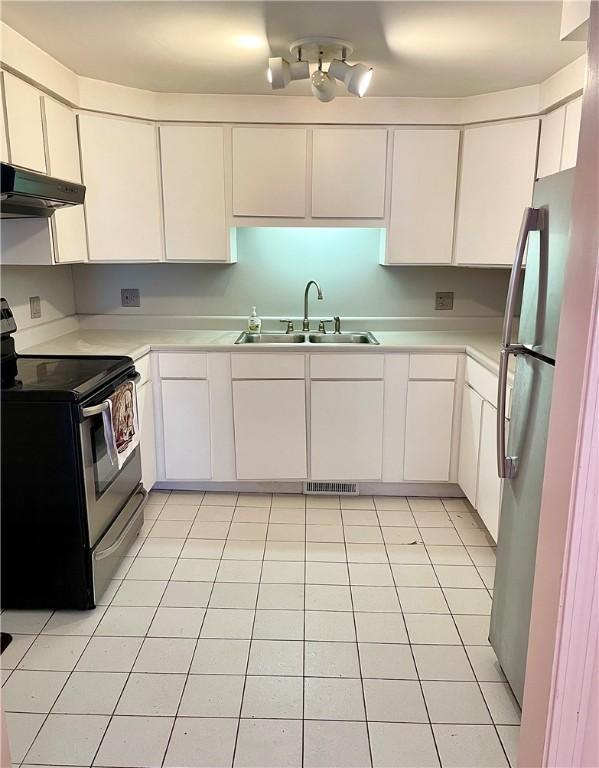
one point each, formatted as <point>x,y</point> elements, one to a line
<point>107,488</point>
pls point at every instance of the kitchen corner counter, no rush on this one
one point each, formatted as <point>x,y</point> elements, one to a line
<point>482,347</point>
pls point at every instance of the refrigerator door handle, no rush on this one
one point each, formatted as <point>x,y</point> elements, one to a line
<point>532,220</point>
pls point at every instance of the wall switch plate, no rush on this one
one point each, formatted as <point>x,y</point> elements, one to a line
<point>35,307</point>
<point>130,297</point>
<point>444,300</point>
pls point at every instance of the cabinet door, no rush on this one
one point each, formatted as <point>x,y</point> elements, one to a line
<point>346,430</point>
<point>119,163</point>
<point>423,192</point>
<point>571,133</point>
<point>24,124</point>
<point>429,419</point>
<point>270,429</point>
<point>550,142</point>
<point>496,184</point>
<point>489,483</point>
<point>186,426</point>
<point>145,411</point>
<point>193,191</point>
<point>348,172</point>
<point>62,145</point>
<point>472,404</point>
<point>3,141</point>
<point>269,172</point>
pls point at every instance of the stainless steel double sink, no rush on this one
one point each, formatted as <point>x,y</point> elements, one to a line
<point>358,337</point>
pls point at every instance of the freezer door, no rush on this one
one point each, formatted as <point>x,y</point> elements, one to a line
<point>546,264</point>
<point>519,521</point>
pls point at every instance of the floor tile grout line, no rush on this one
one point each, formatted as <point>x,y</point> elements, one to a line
<point>304,642</point>
<point>430,725</point>
<point>145,636</point>
<point>247,664</point>
<point>197,639</point>
<point>353,613</point>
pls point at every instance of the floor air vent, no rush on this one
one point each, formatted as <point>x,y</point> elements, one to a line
<point>348,489</point>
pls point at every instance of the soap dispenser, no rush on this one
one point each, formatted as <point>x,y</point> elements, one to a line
<point>254,322</point>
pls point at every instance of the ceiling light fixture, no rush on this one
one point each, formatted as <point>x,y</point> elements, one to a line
<point>316,50</point>
<point>281,72</point>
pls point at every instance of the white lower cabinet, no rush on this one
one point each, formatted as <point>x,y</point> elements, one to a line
<point>489,483</point>
<point>346,430</point>
<point>472,404</point>
<point>429,421</point>
<point>269,419</point>
<point>147,440</point>
<point>186,429</point>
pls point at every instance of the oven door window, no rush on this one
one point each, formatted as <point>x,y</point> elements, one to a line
<point>104,470</point>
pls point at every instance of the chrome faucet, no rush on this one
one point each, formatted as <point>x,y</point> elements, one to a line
<point>306,322</point>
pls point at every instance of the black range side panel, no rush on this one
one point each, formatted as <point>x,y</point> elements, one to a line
<point>44,545</point>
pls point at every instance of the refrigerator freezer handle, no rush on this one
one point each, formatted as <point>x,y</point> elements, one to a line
<point>506,465</point>
<point>532,220</point>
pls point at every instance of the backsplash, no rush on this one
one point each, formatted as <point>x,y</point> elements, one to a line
<point>54,286</point>
<point>273,267</point>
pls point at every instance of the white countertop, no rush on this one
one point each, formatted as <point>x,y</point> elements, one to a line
<point>483,347</point>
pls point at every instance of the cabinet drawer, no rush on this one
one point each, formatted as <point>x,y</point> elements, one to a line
<point>347,366</point>
<point>182,365</point>
<point>485,383</point>
<point>433,366</point>
<point>257,366</point>
<point>143,367</point>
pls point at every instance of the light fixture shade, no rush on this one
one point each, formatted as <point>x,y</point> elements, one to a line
<point>356,78</point>
<point>281,72</point>
<point>278,73</point>
<point>323,86</point>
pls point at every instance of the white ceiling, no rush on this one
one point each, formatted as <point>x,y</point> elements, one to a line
<point>420,48</point>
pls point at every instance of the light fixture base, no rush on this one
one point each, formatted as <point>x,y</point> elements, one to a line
<point>318,48</point>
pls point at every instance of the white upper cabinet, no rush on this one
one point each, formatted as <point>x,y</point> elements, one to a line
<point>571,133</point>
<point>122,202</point>
<point>62,149</point>
<point>496,184</point>
<point>24,124</point>
<point>348,172</point>
<point>269,172</point>
<point>193,191</point>
<point>3,141</point>
<point>550,143</point>
<point>423,193</point>
<point>575,19</point>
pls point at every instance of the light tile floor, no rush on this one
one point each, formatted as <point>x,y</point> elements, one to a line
<point>259,630</point>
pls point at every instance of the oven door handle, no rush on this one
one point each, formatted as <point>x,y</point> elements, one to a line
<point>134,517</point>
<point>95,410</point>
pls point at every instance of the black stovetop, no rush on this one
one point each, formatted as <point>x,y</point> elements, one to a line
<point>54,377</point>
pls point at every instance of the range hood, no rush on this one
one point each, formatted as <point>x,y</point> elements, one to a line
<point>28,194</point>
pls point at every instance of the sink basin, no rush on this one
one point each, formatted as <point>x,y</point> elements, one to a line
<point>362,337</point>
<point>271,338</point>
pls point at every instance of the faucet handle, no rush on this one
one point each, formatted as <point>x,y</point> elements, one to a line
<point>337,320</point>
<point>289,325</point>
<point>321,326</point>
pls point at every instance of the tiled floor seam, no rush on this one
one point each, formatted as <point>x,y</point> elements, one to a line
<point>197,639</point>
<point>247,665</point>
<point>409,639</point>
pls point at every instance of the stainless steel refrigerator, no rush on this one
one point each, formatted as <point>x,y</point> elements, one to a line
<point>543,242</point>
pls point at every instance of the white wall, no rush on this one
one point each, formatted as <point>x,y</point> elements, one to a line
<point>53,284</point>
<point>273,268</point>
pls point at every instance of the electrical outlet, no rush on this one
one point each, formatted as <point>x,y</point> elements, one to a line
<point>444,300</point>
<point>130,297</point>
<point>35,307</point>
